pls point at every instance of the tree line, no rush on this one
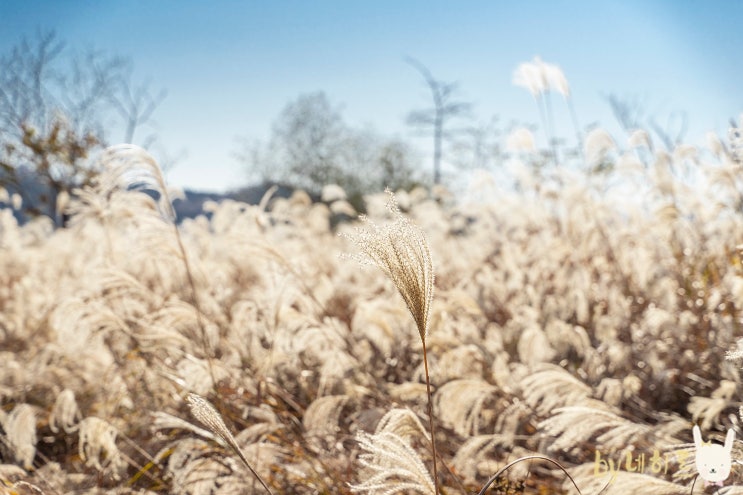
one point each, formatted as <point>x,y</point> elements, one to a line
<point>59,106</point>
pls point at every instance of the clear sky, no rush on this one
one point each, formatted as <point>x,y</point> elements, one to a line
<point>230,66</point>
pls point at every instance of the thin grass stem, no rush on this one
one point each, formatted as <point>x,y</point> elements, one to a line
<point>529,458</point>
<point>431,422</point>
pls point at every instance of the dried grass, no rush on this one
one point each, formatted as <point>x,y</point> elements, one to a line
<point>634,304</point>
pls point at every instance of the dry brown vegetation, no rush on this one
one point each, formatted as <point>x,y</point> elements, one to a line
<point>574,314</point>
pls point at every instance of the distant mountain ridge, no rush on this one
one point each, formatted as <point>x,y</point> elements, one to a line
<point>193,203</point>
<point>190,206</point>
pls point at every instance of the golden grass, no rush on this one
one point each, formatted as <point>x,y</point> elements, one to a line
<point>575,314</point>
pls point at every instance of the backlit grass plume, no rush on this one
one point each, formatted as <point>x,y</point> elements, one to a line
<point>128,167</point>
<point>209,417</point>
<point>391,463</point>
<point>401,250</point>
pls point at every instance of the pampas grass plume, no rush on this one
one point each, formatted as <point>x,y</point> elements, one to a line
<point>521,140</point>
<point>20,426</point>
<point>598,144</point>
<point>529,76</point>
<point>401,250</point>
<point>207,415</point>
<point>392,465</point>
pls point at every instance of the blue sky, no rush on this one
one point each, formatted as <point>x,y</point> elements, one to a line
<point>230,66</point>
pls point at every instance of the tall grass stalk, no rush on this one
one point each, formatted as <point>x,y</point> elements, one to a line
<point>508,466</point>
<point>576,125</point>
<point>550,126</point>
<point>401,250</point>
<point>128,166</point>
<point>431,421</point>
<point>209,417</point>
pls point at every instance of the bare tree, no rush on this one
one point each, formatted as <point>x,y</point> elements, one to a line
<point>312,145</point>
<point>54,111</point>
<point>478,146</point>
<point>135,105</point>
<point>445,108</point>
<point>309,134</point>
<point>631,115</point>
<point>396,164</point>
<point>23,92</point>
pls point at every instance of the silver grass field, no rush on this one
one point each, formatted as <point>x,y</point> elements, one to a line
<point>586,316</point>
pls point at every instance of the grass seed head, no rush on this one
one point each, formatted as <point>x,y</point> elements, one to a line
<point>401,250</point>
